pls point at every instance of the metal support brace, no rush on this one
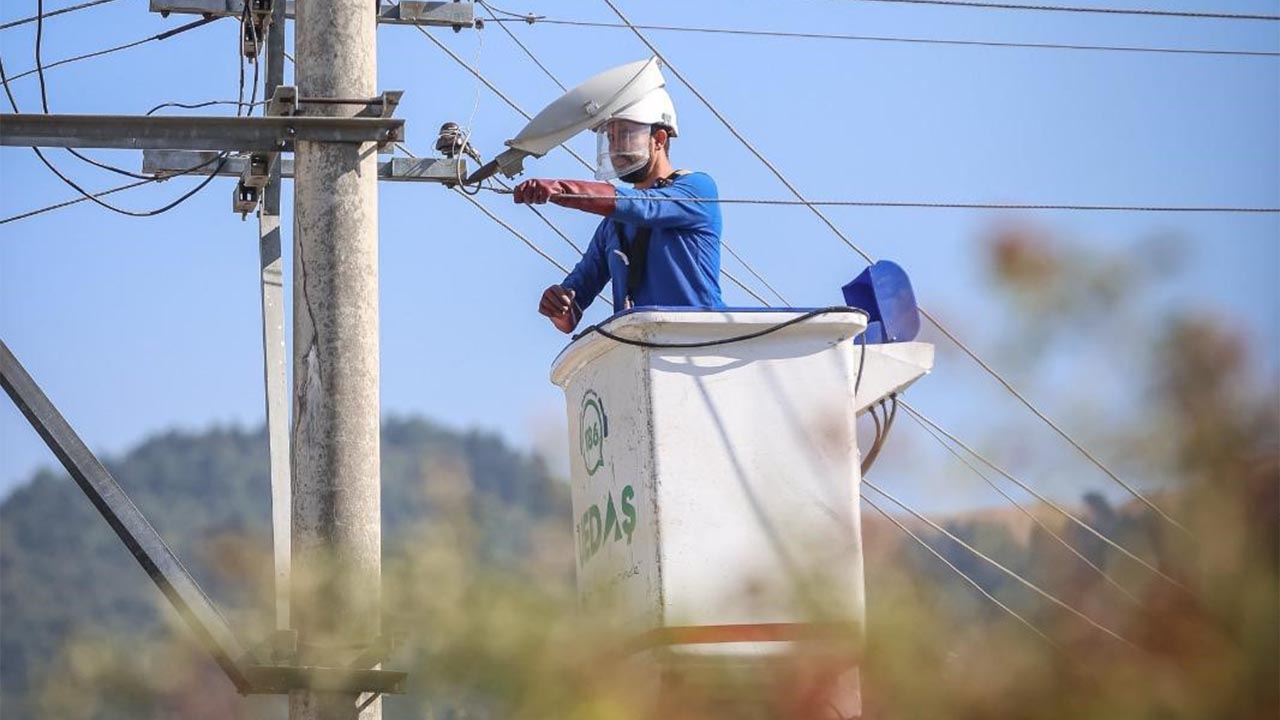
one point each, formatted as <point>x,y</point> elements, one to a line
<point>275,360</point>
<point>201,132</point>
<point>168,573</point>
<point>146,545</point>
<point>456,15</point>
<point>167,163</point>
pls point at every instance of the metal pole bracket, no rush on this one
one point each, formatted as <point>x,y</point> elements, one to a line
<point>245,199</point>
<point>257,172</point>
<point>254,35</point>
<point>283,102</point>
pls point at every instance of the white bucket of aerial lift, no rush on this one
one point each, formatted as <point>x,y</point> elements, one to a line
<point>719,487</point>
<point>582,108</point>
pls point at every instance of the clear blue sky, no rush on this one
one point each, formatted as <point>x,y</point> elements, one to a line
<point>135,326</point>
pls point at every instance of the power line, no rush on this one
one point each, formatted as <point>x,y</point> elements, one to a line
<point>1039,496</point>
<point>926,204</point>
<point>534,20</point>
<point>1021,580</point>
<point>532,245</point>
<point>958,571</point>
<point>1076,9</point>
<point>757,275</point>
<point>222,159</point>
<point>44,99</point>
<point>522,46</point>
<point>73,201</point>
<point>547,221</point>
<point>54,13</point>
<point>205,104</point>
<point>1032,516</point>
<point>840,234</point>
<point>98,53</point>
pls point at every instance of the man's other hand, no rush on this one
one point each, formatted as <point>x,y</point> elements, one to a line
<point>557,304</point>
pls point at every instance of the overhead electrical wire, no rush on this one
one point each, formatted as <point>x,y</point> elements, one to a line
<point>95,197</point>
<point>997,565</point>
<point>1030,515</point>
<point>207,103</point>
<point>961,205</point>
<point>1042,498</point>
<point>974,583</point>
<point>846,37</point>
<point>149,179</point>
<point>54,13</point>
<point>73,201</point>
<point>1080,9</point>
<point>98,53</point>
<point>555,228</point>
<point>143,179</point>
<point>532,245</point>
<point>488,8</point>
<point>44,99</point>
<point>929,316</point>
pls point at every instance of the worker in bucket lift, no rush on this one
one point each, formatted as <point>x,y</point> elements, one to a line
<point>656,248</point>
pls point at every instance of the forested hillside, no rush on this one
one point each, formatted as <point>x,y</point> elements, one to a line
<point>65,576</point>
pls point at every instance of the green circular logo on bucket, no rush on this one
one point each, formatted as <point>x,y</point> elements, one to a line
<point>592,429</point>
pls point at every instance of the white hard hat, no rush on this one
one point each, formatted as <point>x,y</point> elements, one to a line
<point>655,108</point>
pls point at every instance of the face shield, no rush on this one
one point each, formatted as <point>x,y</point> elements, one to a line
<point>622,147</point>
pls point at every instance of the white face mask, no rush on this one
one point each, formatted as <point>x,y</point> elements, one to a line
<point>622,146</point>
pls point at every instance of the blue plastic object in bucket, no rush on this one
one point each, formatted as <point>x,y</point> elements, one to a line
<point>884,291</point>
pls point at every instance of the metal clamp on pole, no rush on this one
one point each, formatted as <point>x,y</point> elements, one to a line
<point>245,199</point>
<point>389,100</point>
<point>253,179</point>
<point>253,37</point>
<point>283,102</point>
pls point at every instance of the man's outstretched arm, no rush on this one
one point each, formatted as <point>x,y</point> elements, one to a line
<point>585,195</point>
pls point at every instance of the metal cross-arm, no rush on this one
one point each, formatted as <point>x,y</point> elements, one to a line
<point>202,132</point>
<point>164,163</point>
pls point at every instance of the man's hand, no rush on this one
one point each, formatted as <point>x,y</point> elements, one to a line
<point>535,192</point>
<point>593,197</point>
<point>557,304</point>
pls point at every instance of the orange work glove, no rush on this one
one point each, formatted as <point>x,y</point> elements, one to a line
<point>594,197</point>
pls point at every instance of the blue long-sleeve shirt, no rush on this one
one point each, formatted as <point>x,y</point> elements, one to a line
<point>683,264</point>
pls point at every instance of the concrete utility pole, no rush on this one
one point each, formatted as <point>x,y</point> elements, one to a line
<point>337,537</point>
